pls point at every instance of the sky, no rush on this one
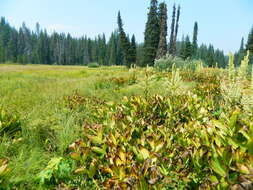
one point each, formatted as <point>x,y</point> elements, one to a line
<point>222,23</point>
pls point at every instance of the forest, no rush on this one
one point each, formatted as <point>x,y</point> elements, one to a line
<point>26,46</point>
<point>81,113</point>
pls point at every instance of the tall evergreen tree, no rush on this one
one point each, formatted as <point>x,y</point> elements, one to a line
<point>172,30</point>
<point>240,54</point>
<point>249,45</point>
<point>133,50</point>
<point>188,48</point>
<point>162,46</point>
<point>174,45</point>
<point>86,56</point>
<point>182,48</point>
<point>210,57</point>
<point>124,41</point>
<point>250,41</point>
<point>195,40</point>
<point>152,31</point>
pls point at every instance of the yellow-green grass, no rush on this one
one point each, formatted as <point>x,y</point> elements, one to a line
<point>36,94</point>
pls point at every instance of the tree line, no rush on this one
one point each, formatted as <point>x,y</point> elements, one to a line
<point>24,45</point>
<point>38,47</point>
<point>156,46</point>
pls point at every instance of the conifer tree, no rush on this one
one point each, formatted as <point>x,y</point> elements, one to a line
<point>124,41</point>
<point>249,46</point>
<point>188,48</point>
<point>240,54</point>
<point>195,40</point>
<point>162,46</point>
<point>182,48</point>
<point>112,50</point>
<point>210,56</point>
<point>250,41</point>
<point>172,30</point>
<point>152,33</point>
<point>174,45</point>
<point>133,50</point>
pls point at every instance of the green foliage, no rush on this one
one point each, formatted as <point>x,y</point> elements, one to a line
<point>154,143</point>
<point>249,45</point>
<point>175,82</point>
<point>152,33</point>
<point>188,136</point>
<point>58,170</point>
<point>128,51</point>
<point>231,67</point>
<point>172,31</point>
<point>162,16</point>
<point>10,125</point>
<point>166,63</point>
<point>93,65</point>
<point>195,40</point>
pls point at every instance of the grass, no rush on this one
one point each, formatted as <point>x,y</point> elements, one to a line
<point>59,106</point>
<point>36,94</point>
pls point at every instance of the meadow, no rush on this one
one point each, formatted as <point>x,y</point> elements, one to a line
<point>75,127</point>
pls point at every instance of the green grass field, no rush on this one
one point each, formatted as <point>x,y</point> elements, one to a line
<point>155,128</point>
<point>36,93</point>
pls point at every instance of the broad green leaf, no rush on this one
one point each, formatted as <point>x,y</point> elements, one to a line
<point>218,167</point>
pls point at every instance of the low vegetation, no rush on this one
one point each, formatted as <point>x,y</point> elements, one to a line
<point>76,127</point>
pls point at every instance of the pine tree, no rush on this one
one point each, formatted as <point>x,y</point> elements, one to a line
<point>195,40</point>
<point>182,48</point>
<point>152,31</point>
<point>240,54</point>
<point>188,48</point>
<point>162,46</point>
<point>133,50</point>
<point>112,49</point>
<point>124,41</point>
<point>86,56</point>
<point>249,45</point>
<point>172,30</point>
<point>102,50</point>
<point>210,57</point>
<point>174,45</point>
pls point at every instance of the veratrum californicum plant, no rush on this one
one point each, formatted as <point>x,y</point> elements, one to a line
<point>242,72</point>
<point>175,83</point>
<point>232,90</point>
<point>231,67</point>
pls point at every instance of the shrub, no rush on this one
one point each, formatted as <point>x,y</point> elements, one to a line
<point>173,142</point>
<point>93,65</point>
<point>58,170</point>
<point>166,63</point>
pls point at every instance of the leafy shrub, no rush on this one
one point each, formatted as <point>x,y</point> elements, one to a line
<point>93,65</point>
<point>58,170</point>
<point>166,63</point>
<point>77,101</point>
<point>171,142</point>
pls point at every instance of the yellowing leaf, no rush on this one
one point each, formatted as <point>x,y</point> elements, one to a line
<point>80,170</point>
<point>3,169</point>
<point>145,153</point>
<point>243,169</point>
